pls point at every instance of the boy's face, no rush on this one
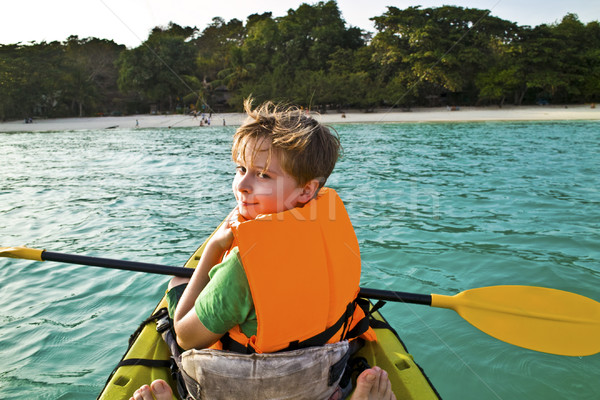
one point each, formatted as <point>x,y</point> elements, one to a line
<point>263,191</point>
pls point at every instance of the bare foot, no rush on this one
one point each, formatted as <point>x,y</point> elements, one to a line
<point>373,384</point>
<point>159,388</point>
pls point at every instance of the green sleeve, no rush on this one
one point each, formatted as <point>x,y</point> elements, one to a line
<point>226,301</point>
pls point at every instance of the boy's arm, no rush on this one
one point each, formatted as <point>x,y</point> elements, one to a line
<point>192,334</point>
<point>190,331</point>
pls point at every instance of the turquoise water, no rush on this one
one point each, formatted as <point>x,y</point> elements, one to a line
<point>437,208</point>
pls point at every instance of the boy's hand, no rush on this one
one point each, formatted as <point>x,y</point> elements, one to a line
<point>223,238</point>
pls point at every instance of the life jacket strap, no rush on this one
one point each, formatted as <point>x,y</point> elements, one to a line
<point>320,339</point>
<point>164,327</point>
<point>235,346</point>
<point>381,324</point>
<point>363,325</point>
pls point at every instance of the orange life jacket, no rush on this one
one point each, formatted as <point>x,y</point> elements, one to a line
<point>303,269</point>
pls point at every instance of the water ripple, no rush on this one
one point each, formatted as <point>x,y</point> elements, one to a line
<point>437,208</point>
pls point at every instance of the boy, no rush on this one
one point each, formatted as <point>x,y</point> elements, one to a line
<point>282,273</point>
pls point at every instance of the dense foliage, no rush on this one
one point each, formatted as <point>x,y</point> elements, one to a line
<point>417,56</point>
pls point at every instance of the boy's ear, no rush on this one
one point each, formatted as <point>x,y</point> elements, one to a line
<point>309,191</point>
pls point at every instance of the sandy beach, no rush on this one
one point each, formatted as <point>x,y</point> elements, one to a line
<point>509,113</point>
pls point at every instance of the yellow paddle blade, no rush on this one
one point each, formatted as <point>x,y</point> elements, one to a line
<point>547,320</point>
<point>21,252</point>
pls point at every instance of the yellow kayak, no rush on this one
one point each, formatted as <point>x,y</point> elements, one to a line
<point>388,352</point>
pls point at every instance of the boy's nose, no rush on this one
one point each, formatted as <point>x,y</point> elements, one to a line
<point>244,184</point>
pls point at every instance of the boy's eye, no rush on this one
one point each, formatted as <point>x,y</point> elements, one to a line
<point>263,175</point>
<point>241,169</point>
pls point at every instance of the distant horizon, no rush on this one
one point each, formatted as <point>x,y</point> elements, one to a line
<point>129,23</point>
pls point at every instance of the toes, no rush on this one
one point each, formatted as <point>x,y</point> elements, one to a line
<point>161,390</point>
<point>373,384</point>
<point>378,381</point>
<point>142,393</point>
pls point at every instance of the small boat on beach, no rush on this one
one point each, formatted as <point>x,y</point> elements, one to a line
<point>148,358</point>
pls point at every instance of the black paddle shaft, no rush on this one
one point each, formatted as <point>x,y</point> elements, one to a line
<point>376,294</point>
<point>401,297</point>
<point>117,264</point>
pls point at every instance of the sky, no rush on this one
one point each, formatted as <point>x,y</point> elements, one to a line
<point>128,22</point>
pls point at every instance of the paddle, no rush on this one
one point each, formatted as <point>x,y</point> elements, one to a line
<point>547,320</point>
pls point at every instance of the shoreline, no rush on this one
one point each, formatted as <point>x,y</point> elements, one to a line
<point>415,115</point>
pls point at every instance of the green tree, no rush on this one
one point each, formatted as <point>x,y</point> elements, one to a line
<point>262,41</point>
<point>590,83</point>
<point>161,70</point>
<point>291,54</point>
<point>238,71</point>
<point>557,59</point>
<point>215,44</point>
<point>439,49</point>
<point>11,81</point>
<point>32,81</point>
<point>91,74</point>
<point>310,34</point>
<point>505,76</point>
<point>309,56</point>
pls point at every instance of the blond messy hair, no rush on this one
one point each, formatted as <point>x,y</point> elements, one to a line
<point>305,149</point>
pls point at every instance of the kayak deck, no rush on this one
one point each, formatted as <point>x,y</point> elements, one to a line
<point>388,352</point>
